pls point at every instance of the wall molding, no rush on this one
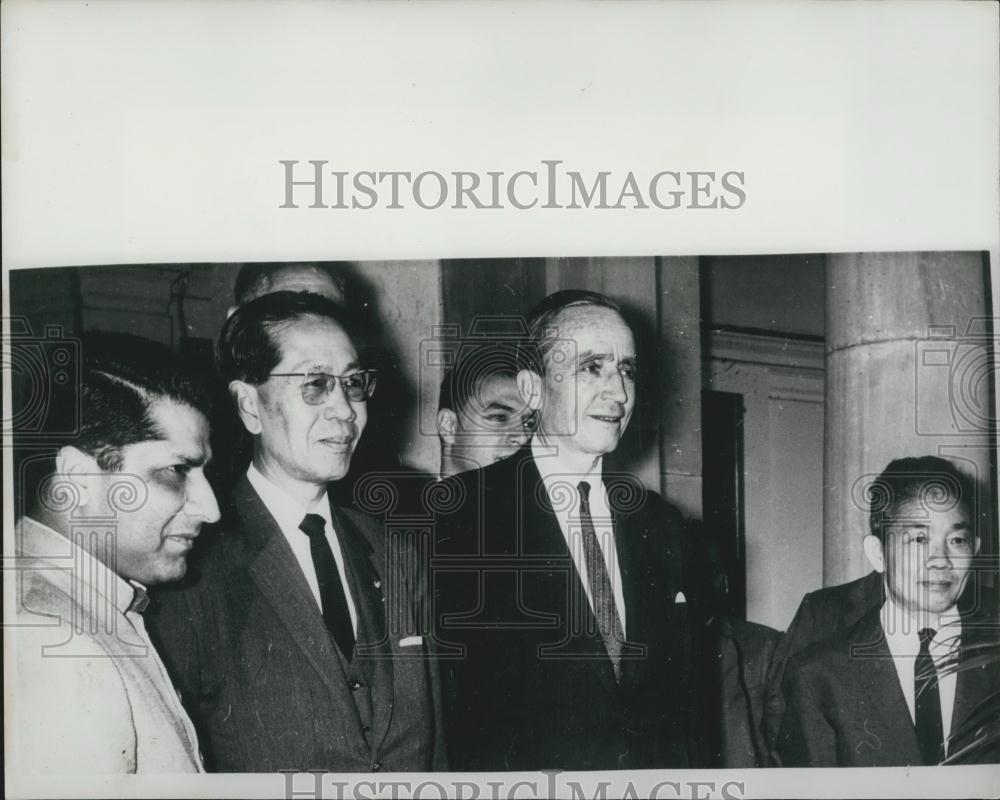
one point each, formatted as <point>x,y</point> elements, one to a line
<point>771,351</point>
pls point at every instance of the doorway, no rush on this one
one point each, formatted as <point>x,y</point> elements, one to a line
<point>722,496</point>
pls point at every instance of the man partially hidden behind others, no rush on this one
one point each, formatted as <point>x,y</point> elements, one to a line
<point>120,511</point>
<point>915,681</point>
<point>298,645</point>
<point>482,417</point>
<point>255,279</point>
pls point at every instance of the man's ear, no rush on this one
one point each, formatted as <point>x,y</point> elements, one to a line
<point>247,405</point>
<point>529,384</point>
<point>80,469</point>
<point>447,424</point>
<point>874,552</point>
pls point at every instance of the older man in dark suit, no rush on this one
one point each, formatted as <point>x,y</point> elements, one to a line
<point>298,645</point>
<point>558,585</point>
<point>913,680</point>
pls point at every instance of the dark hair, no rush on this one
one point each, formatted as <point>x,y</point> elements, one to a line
<point>932,482</point>
<point>543,331</point>
<point>121,377</point>
<point>248,349</point>
<point>462,381</point>
<point>254,279</point>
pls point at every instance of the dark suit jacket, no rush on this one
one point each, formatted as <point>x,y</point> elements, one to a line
<point>530,683</point>
<point>845,706</point>
<point>244,640</point>
<point>741,658</point>
<point>831,611</point>
<point>834,610</point>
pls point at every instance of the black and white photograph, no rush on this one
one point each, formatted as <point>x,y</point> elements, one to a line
<point>349,453</point>
<point>770,438</point>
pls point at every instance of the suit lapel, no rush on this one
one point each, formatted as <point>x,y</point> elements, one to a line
<point>887,722</point>
<point>977,674</point>
<point>542,535</point>
<point>278,577</point>
<point>863,596</point>
<point>367,588</point>
<point>632,564</point>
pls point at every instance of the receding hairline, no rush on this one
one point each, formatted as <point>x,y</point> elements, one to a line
<point>279,326</point>
<point>549,334</point>
<point>151,398</point>
<point>165,403</point>
<point>277,329</point>
<point>161,403</point>
<point>584,307</point>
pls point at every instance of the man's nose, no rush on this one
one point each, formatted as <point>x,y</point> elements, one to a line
<point>938,555</point>
<point>337,406</point>
<point>615,388</point>
<point>201,502</point>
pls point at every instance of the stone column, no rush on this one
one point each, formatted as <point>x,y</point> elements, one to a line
<point>909,371</point>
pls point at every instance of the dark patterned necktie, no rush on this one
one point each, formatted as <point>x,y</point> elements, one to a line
<point>930,731</point>
<point>333,599</point>
<point>601,589</point>
<point>140,600</point>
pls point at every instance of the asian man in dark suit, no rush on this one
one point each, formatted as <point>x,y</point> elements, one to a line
<point>834,610</point>
<point>297,643</point>
<point>911,682</point>
<point>558,584</point>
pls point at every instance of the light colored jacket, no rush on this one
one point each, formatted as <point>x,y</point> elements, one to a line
<point>87,692</point>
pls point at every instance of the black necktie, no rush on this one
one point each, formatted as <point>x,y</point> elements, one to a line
<point>930,731</point>
<point>336,614</point>
<point>601,590</point>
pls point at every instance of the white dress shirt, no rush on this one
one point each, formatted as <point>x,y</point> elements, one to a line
<point>901,634</point>
<point>289,513</point>
<point>561,485</point>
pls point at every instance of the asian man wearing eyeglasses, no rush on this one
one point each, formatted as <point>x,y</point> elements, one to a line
<point>297,645</point>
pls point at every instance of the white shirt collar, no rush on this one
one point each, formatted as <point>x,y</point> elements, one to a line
<point>287,511</point>
<point>902,630</point>
<point>551,466</point>
<point>562,486</point>
<point>78,569</point>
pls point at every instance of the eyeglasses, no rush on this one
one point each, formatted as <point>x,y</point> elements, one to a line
<point>317,386</point>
